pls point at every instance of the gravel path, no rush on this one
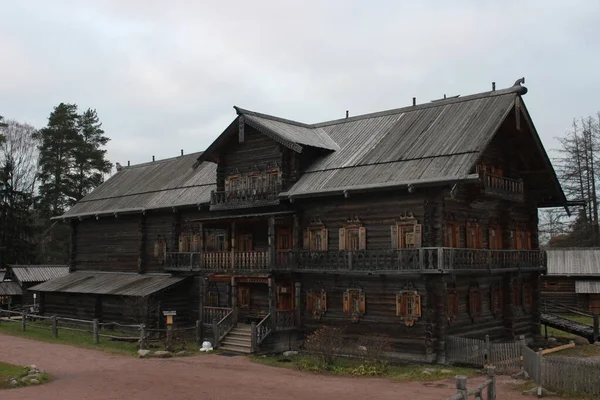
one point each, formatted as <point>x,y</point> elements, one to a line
<point>81,374</point>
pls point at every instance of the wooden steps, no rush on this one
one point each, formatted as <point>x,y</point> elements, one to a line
<point>238,340</point>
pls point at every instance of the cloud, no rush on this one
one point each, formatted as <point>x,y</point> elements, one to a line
<point>164,76</point>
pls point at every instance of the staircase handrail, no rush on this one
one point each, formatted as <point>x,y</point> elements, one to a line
<point>263,329</point>
<point>227,323</point>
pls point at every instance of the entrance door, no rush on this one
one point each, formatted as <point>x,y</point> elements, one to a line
<point>284,238</point>
<point>595,305</point>
<point>285,297</point>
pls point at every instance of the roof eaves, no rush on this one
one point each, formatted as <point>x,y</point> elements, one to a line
<point>241,111</point>
<point>273,135</point>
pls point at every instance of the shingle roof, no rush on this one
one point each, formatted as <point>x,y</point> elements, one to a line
<point>8,288</point>
<point>38,273</point>
<point>165,183</point>
<point>587,287</point>
<point>113,283</point>
<point>574,262</point>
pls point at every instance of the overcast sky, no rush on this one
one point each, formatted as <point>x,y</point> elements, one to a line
<point>164,75</point>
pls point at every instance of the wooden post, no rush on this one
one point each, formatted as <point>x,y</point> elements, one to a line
<point>215,328</point>
<point>272,244</point>
<point>201,247</point>
<point>95,331</point>
<point>271,298</point>
<point>253,338</point>
<point>202,289</point>
<point>297,293</point>
<point>488,349</point>
<point>233,245</point>
<point>54,326</point>
<point>461,386</point>
<point>169,337</point>
<point>440,316</point>
<point>596,328</point>
<point>296,233</point>
<point>198,332</point>
<point>23,320</point>
<point>143,336</point>
<point>491,373</point>
<point>233,287</point>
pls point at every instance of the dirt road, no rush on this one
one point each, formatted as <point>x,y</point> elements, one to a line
<point>81,374</point>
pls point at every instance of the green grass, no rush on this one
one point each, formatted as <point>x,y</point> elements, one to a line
<point>9,372</point>
<point>353,367</point>
<point>80,339</point>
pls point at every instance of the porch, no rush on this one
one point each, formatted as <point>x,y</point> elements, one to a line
<point>430,260</point>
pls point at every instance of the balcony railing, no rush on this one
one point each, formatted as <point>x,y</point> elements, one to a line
<point>245,198</point>
<point>503,187</point>
<point>419,260</point>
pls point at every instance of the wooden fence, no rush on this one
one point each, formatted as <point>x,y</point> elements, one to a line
<point>138,333</point>
<point>489,386</point>
<point>506,357</point>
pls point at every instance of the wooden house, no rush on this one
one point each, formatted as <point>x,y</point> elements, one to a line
<point>573,278</point>
<point>417,223</point>
<point>18,279</point>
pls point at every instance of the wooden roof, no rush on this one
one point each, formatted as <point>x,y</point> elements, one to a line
<point>37,273</point>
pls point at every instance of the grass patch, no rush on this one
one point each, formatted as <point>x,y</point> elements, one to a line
<point>10,373</point>
<point>80,339</point>
<point>356,367</point>
<point>584,350</point>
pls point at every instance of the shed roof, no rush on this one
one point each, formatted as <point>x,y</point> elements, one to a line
<point>172,182</point>
<point>37,273</point>
<point>587,287</point>
<point>112,283</point>
<point>576,261</point>
<point>9,288</point>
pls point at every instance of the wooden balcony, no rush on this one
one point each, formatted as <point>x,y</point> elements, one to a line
<point>425,260</point>
<point>245,198</point>
<point>502,187</point>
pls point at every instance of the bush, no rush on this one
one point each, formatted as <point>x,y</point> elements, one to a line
<point>372,349</point>
<point>324,345</point>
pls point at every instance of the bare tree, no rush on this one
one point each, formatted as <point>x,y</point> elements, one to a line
<point>553,222</point>
<point>19,152</point>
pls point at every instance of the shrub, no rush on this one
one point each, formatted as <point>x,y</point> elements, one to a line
<point>324,345</point>
<point>372,350</point>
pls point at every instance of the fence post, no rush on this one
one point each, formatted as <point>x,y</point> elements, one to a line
<point>538,375</point>
<point>491,373</point>
<point>54,326</point>
<point>95,331</point>
<point>23,319</point>
<point>596,328</point>
<point>488,349</point>
<point>215,328</point>
<point>198,332</point>
<point>142,336</point>
<point>253,338</point>
<point>461,386</point>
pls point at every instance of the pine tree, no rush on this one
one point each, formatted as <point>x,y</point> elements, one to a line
<point>89,162</point>
<point>58,142</point>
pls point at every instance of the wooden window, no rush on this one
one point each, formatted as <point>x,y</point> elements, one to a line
<point>496,300</point>
<point>244,242</point>
<point>196,243</point>
<point>273,179</point>
<point>315,239</point>
<point>527,295</point>
<point>216,241</point>
<point>353,236</point>
<point>160,248</point>
<point>495,238</point>
<point>452,308</point>
<point>243,299</point>
<point>233,183</point>
<point>521,239</point>
<point>473,239</point>
<point>408,306</point>
<point>253,182</point>
<point>406,236</point>
<point>185,240</point>
<point>552,285</point>
<point>354,301</point>
<point>452,234</point>
<point>316,301</point>
<point>475,303</point>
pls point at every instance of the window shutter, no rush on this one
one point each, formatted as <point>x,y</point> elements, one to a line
<point>306,240</point>
<point>456,236</point>
<point>181,243</point>
<point>346,302</point>
<point>195,243</point>
<point>342,245</point>
<point>362,238</point>
<point>529,241</point>
<point>417,305</point>
<point>399,304</point>
<point>323,301</point>
<point>362,302</point>
<point>418,234</point>
<point>309,301</point>
<point>394,236</point>
<point>325,238</point>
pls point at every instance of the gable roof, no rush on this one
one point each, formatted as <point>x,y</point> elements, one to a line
<point>9,288</point>
<point>37,273</point>
<point>173,182</point>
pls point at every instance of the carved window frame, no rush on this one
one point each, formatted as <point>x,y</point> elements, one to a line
<point>229,183</point>
<point>408,306</point>
<point>353,225</point>
<point>406,233</point>
<point>316,303</point>
<point>452,232</point>
<point>316,237</point>
<point>354,303</point>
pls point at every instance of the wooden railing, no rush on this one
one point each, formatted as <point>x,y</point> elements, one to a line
<point>259,332</point>
<point>211,314</point>
<point>267,195</point>
<point>417,260</point>
<point>501,185</point>
<point>225,325</point>
<point>489,385</point>
<point>285,320</point>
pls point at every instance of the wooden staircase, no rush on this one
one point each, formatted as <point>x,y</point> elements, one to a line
<point>238,340</point>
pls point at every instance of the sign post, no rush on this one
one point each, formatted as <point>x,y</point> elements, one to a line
<point>169,315</point>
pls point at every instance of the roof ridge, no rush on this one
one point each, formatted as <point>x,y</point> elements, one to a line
<point>162,160</point>
<point>242,111</point>
<point>517,90</point>
<point>83,200</point>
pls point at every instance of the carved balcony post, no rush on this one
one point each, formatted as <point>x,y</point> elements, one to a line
<point>272,243</point>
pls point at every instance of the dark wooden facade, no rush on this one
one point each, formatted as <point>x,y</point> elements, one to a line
<point>279,241</point>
